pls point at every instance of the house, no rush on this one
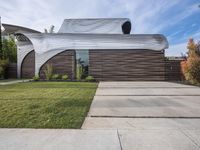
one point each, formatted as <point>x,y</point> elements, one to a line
<point>103,47</point>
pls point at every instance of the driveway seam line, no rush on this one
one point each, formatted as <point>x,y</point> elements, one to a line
<point>143,117</point>
<point>119,140</point>
<point>147,95</point>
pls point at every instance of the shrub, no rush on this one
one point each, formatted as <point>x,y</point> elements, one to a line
<point>184,68</point>
<point>193,72</point>
<point>65,77</point>
<point>48,72</point>
<point>79,72</point>
<point>3,66</point>
<point>89,79</point>
<point>36,78</point>
<point>56,76</point>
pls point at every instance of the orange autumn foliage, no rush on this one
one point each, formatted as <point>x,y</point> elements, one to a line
<point>191,66</point>
<point>184,67</point>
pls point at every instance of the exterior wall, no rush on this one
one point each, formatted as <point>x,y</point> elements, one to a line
<point>127,65</point>
<point>28,65</point>
<point>11,71</point>
<point>23,48</point>
<point>173,70</point>
<point>41,58</point>
<point>63,63</point>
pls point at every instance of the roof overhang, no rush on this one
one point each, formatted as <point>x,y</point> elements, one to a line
<point>14,29</point>
<point>63,41</point>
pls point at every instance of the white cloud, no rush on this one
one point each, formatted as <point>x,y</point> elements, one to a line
<point>173,35</point>
<point>147,16</point>
<point>177,49</point>
<point>186,12</point>
<point>39,14</point>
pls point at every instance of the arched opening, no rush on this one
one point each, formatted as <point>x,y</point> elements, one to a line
<point>28,65</point>
<point>62,63</point>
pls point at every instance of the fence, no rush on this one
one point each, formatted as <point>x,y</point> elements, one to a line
<point>173,70</point>
<point>11,71</point>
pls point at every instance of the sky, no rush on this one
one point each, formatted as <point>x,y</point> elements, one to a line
<point>178,20</point>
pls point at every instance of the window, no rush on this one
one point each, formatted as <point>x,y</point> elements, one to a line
<point>82,61</point>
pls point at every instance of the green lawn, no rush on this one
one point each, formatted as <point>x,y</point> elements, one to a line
<point>45,104</point>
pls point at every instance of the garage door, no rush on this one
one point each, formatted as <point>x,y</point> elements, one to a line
<point>127,65</point>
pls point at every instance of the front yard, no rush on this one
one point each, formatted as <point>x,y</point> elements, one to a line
<point>45,104</point>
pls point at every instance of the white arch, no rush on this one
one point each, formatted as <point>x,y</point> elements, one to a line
<point>23,48</point>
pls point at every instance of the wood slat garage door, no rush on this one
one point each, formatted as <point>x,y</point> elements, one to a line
<point>127,65</point>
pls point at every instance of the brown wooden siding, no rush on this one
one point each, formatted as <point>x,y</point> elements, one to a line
<point>127,65</point>
<point>173,70</point>
<point>63,63</point>
<point>11,71</point>
<point>28,65</point>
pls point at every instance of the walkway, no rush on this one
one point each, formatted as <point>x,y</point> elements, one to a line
<point>10,81</point>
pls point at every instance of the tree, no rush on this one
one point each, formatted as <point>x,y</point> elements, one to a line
<point>0,41</point>
<point>9,49</point>
<point>192,48</point>
<point>191,66</point>
<point>198,47</point>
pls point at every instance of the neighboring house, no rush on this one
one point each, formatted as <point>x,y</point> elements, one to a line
<point>104,46</point>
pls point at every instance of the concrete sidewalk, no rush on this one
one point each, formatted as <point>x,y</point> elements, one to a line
<point>14,81</point>
<point>99,139</point>
<point>58,139</point>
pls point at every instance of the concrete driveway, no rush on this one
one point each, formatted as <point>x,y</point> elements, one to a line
<point>146,99</point>
<point>148,115</point>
